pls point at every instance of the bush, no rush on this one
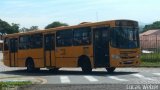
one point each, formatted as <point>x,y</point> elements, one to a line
<point>151,57</point>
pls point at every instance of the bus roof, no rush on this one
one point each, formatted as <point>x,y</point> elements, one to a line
<point>83,24</point>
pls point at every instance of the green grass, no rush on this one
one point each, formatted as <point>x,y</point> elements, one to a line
<point>150,64</point>
<point>151,59</point>
<point>4,85</point>
<point>155,57</point>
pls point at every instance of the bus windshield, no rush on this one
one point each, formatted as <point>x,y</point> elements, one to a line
<point>125,37</point>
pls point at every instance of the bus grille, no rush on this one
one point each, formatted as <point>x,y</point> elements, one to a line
<point>128,62</point>
<point>127,54</point>
<point>128,57</point>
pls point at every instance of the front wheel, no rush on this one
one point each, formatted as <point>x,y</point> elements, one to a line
<point>86,66</point>
<point>110,69</point>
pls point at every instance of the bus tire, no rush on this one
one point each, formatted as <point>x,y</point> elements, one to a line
<point>30,65</point>
<point>85,64</point>
<point>54,69</point>
<point>110,69</point>
<point>37,69</point>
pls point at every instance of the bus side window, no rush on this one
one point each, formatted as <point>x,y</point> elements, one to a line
<point>82,36</point>
<point>24,42</point>
<point>6,44</point>
<point>36,41</point>
<point>13,45</point>
<point>64,38</point>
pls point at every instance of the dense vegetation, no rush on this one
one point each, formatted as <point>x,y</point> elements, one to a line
<point>6,28</point>
<point>55,24</point>
<point>154,25</point>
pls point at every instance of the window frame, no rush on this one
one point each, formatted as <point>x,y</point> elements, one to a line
<point>65,38</point>
<point>6,47</point>
<point>35,39</point>
<point>26,42</point>
<point>13,47</point>
<point>81,31</point>
<point>51,42</point>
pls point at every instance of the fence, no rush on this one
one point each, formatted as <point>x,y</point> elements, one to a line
<point>150,50</point>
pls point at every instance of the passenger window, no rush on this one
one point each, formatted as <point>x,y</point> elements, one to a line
<point>6,44</point>
<point>64,38</point>
<point>24,42</point>
<point>36,41</point>
<point>82,36</point>
<point>13,45</point>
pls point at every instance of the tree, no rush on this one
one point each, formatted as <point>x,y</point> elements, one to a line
<point>6,28</point>
<point>23,29</point>
<point>55,24</point>
<point>154,25</point>
<point>32,28</point>
<point>15,28</point>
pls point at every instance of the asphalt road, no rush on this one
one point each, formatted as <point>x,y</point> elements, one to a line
<point>98,76</point>
<point>72,79</point>
<point>67,77</point>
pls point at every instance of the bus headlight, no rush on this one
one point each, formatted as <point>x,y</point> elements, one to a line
<point>115,56</point>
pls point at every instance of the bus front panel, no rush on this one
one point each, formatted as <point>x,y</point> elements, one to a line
<point>124,46</point>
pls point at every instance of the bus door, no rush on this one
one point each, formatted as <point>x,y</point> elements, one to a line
<point>101,46</point>
<point>49,47</point>
<point>13,48</point>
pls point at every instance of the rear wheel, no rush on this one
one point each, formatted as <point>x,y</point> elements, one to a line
<point>110,69</point>
<point>37,69</point>
<point>85,65</point>
<point>30,66</point>
<point>54,69</point>
<point>86,69</point>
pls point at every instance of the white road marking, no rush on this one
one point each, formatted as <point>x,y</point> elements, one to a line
<point>156,74</point>
<point>116,78</point>
<point>64,79</point>
<point>142,77</point>
<point>91,78</point>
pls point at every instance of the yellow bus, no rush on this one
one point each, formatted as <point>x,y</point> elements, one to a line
<point>107,44</point>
